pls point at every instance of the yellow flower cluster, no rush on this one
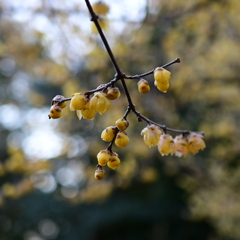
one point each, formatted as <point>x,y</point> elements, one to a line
<point>112,134</point>
<point>84,106</point>
<point>161,77</point>
<point>180,145</point>
<point>105,157</point>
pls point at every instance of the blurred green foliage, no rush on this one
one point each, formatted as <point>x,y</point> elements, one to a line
<point>48,190</point>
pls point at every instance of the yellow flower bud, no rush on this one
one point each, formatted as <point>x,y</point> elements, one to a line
<point>103,157</point>
<point>78,101</point>
<point>196,143</point>
<point>151,135</point>
<point>100,8</point>
<point>114,161</point>
<point>113,93</point>
<point>166,145</point>
<point>122,139</point>
<point>100,103</point>
<point>162,75</point>
<point>56,100</point>
<point>161,87</point>
<point>122,124</point>
<point>108,134</point>
<point>99,174</point>
<point>181,146</point>
<point>87,112</point>
<point>55,112</point>
<point>143,86</point>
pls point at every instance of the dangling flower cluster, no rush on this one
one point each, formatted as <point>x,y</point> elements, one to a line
<point>113,134</point>
<point>180,145</point>
<point>162,77</point>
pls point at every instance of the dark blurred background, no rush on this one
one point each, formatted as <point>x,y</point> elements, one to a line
<point>47,185</point>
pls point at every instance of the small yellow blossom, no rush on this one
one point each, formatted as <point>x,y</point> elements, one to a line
<point>195,143</point>
<point>161,87</point>
<point>113,93</point>
<point>151,135</point>
<point>55,112</point>
<point>122,124</point>
<point>114,161</point>
<point>162,75</point>
<point>181,145</point>
<point>122,139</point>
<point>87,112</point>
<point>100,103</point>
<point>143,86</point>
<point>166,145</point>
<point>78,101</point>
<point>103,157</point>
<point>109,133</point>
<point>99,174</point>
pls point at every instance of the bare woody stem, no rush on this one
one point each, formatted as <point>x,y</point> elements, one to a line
<point>177,60</point>
<point>163,127</point>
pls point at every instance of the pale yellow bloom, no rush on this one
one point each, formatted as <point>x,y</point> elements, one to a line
<point>100,103</point>
<point>196,143</point>
<point>181,145</point>
<point>166,145</point>
<point>151,135</point>
<point>87,112</point>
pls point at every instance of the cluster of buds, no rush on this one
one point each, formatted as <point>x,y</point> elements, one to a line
<point>113,134</point>
<point>106,157</point>
<point>161,81</point>
<point>85,106</point>
<point>162,77</point>
<point>180,145</point>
